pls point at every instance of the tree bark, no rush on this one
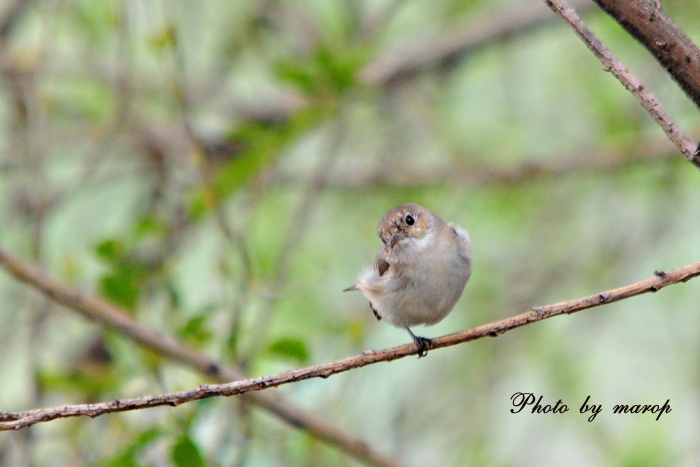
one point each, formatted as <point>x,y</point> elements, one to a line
<point>645,21</point>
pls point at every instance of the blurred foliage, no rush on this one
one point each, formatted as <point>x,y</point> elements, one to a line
<point>218,170</point>
<point>292,349</point>
<point>186,454</point>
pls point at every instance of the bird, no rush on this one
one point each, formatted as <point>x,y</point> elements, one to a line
<point>420,271</point>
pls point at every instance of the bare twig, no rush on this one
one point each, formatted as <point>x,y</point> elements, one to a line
<point>12,16</point>
<point>297,228</point>
<point>111,316</point>
<point>629,80</point>
<point>394,66</point>
<point>460,171</point>
<point>10,421</point>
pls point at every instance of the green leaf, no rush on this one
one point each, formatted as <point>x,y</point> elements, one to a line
<point>262,143</point>
<point>197,330</point>
<point>198,204</point>
<point>289,349</point>
<point>149,225</point>
<point>122,287</point>
<point>129,457</point>
<point>340,69</point>
<point>299,75</point>
<point>111,251</point>
<point>186,454</point>
<point>327,72</point>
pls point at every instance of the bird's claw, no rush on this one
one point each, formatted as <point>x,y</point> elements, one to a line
<point>422,342</point>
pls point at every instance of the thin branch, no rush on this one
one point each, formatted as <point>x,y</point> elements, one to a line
<point>629,80</point>
<point>295,232</point>
<point>13,421</point>
<point>111,316</point>
<point>460,171</point>
<point>13,14</point>
<point>397,65</point>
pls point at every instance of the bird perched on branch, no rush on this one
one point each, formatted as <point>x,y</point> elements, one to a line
<point>420,271</point>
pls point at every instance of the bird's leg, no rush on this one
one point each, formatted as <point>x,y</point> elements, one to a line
<point>421,342</point>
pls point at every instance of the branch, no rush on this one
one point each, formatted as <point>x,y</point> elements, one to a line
<point>13,421</point>
<point>111,316</point>
<point>629,80</point>
<point>12,16</point>
<point>667,42</point>
<point>460,171</point>
<point>397,65</point>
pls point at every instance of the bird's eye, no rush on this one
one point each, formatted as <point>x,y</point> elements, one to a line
<point>410,220</point>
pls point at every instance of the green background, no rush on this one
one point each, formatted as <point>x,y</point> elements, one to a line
<point>218,169</point>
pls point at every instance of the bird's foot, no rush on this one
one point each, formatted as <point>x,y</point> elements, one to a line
<point>422,342</point>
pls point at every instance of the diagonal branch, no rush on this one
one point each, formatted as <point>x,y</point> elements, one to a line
<point>12,16</point>
<point>629,80</point>
<point>10,421</point>
<point>662,37</point>
<point>460,171</point>
<point>396,65</point>
<point>111,316</point>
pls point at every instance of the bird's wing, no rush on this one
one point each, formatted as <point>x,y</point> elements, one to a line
<point>381,264</point>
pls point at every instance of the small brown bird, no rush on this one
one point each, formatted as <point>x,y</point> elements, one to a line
<point>419,273</point>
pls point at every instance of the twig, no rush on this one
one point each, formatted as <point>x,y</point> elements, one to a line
<point>111,316</point>
<point>629,80</point>
<point>459,171</point>
<point>661,279</point>
<point>394,66</point>
<point>297,228</point>
<point>12,16</point>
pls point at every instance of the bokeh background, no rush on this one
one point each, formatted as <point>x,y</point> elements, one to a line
<point>218,169</point>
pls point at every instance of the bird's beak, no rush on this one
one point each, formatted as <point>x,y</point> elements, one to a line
<point>394,239</point>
